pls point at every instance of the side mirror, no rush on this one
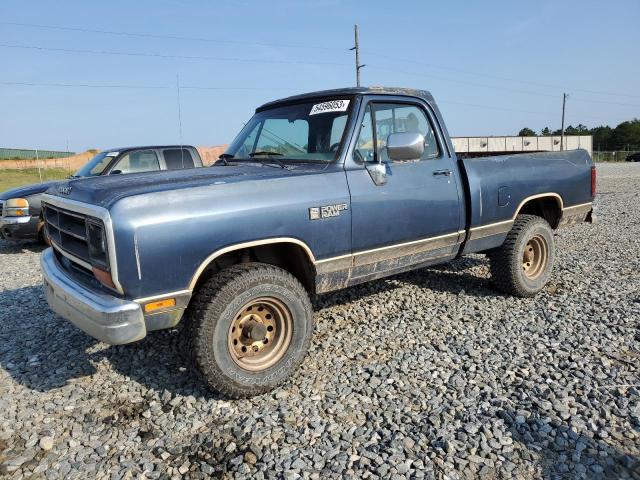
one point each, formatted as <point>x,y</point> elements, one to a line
<point>116,172</point>
<point>405,146</point>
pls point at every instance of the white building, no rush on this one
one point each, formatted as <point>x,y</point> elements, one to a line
<point>476,146</point>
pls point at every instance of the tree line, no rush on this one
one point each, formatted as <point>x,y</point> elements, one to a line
<point>626,136</point>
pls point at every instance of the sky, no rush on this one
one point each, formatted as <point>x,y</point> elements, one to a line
<point>79,74</point>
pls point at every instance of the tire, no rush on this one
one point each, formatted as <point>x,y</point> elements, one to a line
<point>522,265</point>
<point>41,238</point>
<point>247,307</point>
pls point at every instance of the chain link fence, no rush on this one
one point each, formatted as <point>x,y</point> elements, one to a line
<point>615,156</point>
<point>24,154</point>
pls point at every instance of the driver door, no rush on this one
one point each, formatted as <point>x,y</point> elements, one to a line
<point>416,214</point>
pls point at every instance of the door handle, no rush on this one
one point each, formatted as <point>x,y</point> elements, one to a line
<point>442,172</point>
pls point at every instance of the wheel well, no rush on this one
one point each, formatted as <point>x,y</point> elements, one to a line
<point>546,207</point>
<point>289,256</point>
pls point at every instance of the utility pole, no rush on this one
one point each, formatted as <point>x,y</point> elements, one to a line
<point>179,119</point>
<point>357,50</point>
<point>38,165</point>
<point>564,102</point>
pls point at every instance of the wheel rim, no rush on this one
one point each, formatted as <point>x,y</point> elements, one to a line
<point>534,258</point>
<point>260,333</point>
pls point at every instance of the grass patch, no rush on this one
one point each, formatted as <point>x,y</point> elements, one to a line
<point>16,178</point>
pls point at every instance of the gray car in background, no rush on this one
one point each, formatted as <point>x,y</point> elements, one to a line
<point>20,213</point>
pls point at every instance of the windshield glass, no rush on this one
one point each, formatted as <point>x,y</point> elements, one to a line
<point>95,166</point>
<point>310,131</point>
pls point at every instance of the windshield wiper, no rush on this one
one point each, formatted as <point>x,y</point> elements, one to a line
<point>260,152</point>
<point>224,157</point>
<point>264,161</point>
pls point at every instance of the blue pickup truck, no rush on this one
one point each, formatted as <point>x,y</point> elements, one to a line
<point>318,192</point>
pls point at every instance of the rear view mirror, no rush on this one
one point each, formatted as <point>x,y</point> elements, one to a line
<point>405,146</point>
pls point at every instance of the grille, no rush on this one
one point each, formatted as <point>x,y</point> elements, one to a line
<point>1,207</point>
<point>68,231</point>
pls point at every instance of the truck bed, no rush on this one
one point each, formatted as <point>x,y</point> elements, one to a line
<point>497,186</point>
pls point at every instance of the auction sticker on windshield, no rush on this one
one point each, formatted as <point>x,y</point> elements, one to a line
<point>332,106</point>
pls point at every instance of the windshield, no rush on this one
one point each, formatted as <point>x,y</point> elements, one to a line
<point>310,131</point>
<point>96,165</point>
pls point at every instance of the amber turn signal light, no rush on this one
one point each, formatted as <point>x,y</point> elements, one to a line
<point>103,277</point>
<point>154,306</point>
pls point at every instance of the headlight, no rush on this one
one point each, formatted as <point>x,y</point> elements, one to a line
<point>98,253</point>
<point>97,243</point>
<point>16,207</point>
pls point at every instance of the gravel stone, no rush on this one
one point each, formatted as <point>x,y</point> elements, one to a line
<point>46,443</point>
<point>250,458</point>
<point>430,374</point>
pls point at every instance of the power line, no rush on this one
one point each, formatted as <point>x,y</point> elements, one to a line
<point>491,107</point>
<point>82,85</point>
<point>284,45</point>
<point>193,87</point>
<point>169,56</point>
<point>168,37</point>
<point>291,62</point>
<point>495,87</point>
<point>498,77</point>
<point>142,87</point>
<point>457,80</point>
<point>222,88</point>
<point>228,88</point>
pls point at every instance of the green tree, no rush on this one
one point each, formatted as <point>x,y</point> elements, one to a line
<point>526,132</point>
<point>602,137</point>
<point>626,135</point>
<point>579,130</point>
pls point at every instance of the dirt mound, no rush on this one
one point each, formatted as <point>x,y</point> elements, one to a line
<point>71,163</point>
<point>211,154</point>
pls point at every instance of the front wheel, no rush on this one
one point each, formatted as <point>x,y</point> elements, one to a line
<point>522,265</point>
<point>249,328</point>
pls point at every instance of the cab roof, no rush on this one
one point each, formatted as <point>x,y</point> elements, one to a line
<point>351,91</point>
<point>144,147</point>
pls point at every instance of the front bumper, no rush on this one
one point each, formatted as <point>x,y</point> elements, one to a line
<point>104,317</point>
<point>18,228</point>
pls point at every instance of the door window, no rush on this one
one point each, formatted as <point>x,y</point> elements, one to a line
<point>177,158</point>
<point>364,150</point>
<point>401,118</point>
<point>138,161</point>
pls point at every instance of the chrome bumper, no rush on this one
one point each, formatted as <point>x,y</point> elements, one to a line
<point>18,228</point>
<point>104,317</point>
<point>14,220</point>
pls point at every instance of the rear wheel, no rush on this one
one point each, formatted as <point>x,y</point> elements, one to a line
<point>249,328</point>
<point>522,265</point>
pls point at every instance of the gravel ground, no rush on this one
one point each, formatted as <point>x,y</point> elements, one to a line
<point>430,374</point>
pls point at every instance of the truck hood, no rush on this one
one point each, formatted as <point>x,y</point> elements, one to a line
<point>28,190</point>
<point>106,190</point>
